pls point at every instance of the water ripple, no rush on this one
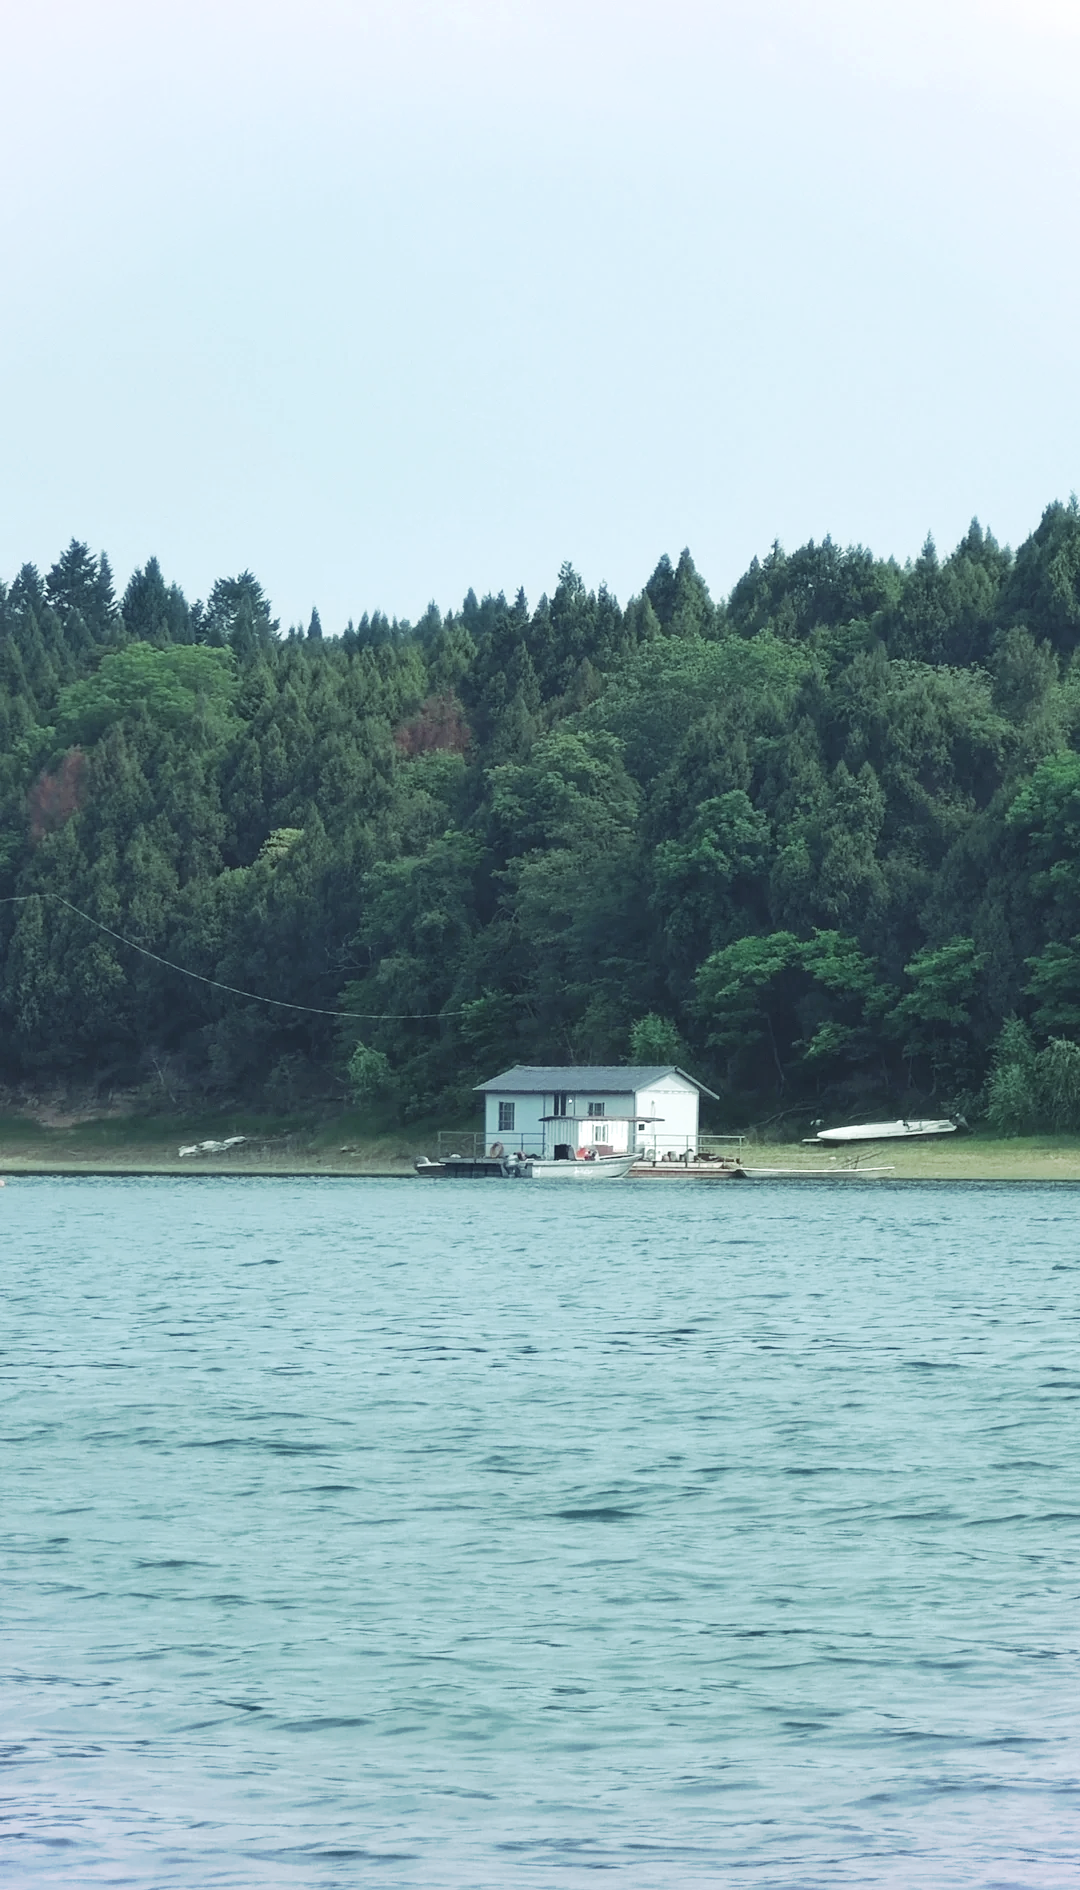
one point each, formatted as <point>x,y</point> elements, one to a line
<point>689,1536</point>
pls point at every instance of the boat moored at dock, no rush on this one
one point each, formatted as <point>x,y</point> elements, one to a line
<point>588,1167</point>
<point>522,1167</point>
<point>470,1168</point>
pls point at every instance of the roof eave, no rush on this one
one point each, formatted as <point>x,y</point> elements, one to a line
<point>710,1093</point>
<point>670,1069</point>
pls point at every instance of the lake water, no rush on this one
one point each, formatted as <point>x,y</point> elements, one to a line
<point>407,1534</point>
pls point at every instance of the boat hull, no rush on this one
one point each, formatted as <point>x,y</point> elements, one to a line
<point>504,1168</point>
<point>604,1168</point>
<point>469,1168</point>
<point>884,1132</point>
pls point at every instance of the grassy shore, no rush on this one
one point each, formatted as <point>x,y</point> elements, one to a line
<point>347,1145</point>
<point>959,1157</point>
<point>150,1145</point>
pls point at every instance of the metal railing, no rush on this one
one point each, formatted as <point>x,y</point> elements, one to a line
<point>465,1142</point>
<point>470,1144</point>
<point>689,1148</point>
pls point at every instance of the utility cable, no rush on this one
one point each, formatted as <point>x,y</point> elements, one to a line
<point>255,997</point>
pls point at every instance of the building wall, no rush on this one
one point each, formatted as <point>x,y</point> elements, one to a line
<point>611,1130</point>
<point>675,1105</point>
<point>536,1136</point>
<point>607,1132</point>
<point>528,1129</point>
<point>674,1101</point>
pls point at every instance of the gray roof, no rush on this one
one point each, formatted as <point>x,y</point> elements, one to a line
<point>611,1079</point>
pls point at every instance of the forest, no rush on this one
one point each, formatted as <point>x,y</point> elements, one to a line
<point>819,842</point>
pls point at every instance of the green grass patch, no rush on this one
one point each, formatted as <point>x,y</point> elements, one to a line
<point>349,1140</point>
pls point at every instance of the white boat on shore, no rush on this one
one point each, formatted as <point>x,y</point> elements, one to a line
<point>905,1131</point>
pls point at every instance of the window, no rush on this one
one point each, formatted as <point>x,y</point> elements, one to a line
<point>506,1115</point>
<point>564,1104</point>
<point>596,1109</point>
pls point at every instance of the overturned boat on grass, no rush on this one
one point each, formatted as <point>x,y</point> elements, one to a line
<point>907,1130</point>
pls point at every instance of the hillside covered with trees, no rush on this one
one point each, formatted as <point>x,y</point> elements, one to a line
<point>820,841</point>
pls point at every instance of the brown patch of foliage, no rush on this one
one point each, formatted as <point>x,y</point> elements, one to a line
<point>55,797</point>
<point>438,724</point>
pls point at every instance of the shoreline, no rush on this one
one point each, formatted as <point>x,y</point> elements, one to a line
<point>39,1153</point>
<point>126,1142</point>
<point>68,1171</point>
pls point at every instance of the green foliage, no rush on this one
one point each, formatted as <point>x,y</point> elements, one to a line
<point>656,1040</point>
<point>572,785</point>
<point>1054,986</point>
<point>800,1003</point>
<point>1030,1090</point>
<point>1058,1083</point>
<point>1011,1101</point>
<point>817,585</point>
<point>945,980</point>
<point>820,839</point>
<point>79,589</point>
<point>1044,587</point>
<point>1011,1105</point>
<point>370,1076</point>
<point>1045,817</point>
<point>278,844</point>
<point>238,615</point>
<point>172,687</point>
<point>703,881</point>
<point>656,697</point>
<point>154,612</point>
<point>936,1019</point>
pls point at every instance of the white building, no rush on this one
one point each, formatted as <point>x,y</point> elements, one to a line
<point>610,1108</point>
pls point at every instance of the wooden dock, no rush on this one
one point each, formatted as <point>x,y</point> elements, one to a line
<point>758,1171</point>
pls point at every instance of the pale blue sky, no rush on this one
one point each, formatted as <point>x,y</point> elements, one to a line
<point>387,300</point>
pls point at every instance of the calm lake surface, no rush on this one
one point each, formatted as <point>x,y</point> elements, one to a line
<point>410,1534</point>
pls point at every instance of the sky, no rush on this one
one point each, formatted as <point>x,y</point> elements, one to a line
<point>382,299</point>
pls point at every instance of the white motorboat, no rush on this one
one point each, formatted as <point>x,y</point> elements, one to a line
<point>470,1168</point>
<point>884,1131</point>
<point>504,1167</point>
<point>581,1168</point>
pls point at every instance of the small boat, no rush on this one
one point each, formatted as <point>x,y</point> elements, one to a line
<point>904,1131</point>
<point>582,1168</point>
<point>211,1148</point>
<point>471,1168</point>
<point>525,1168</point>
<point>851,1171</point>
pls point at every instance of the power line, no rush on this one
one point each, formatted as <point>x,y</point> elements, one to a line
<point>255,997</point>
